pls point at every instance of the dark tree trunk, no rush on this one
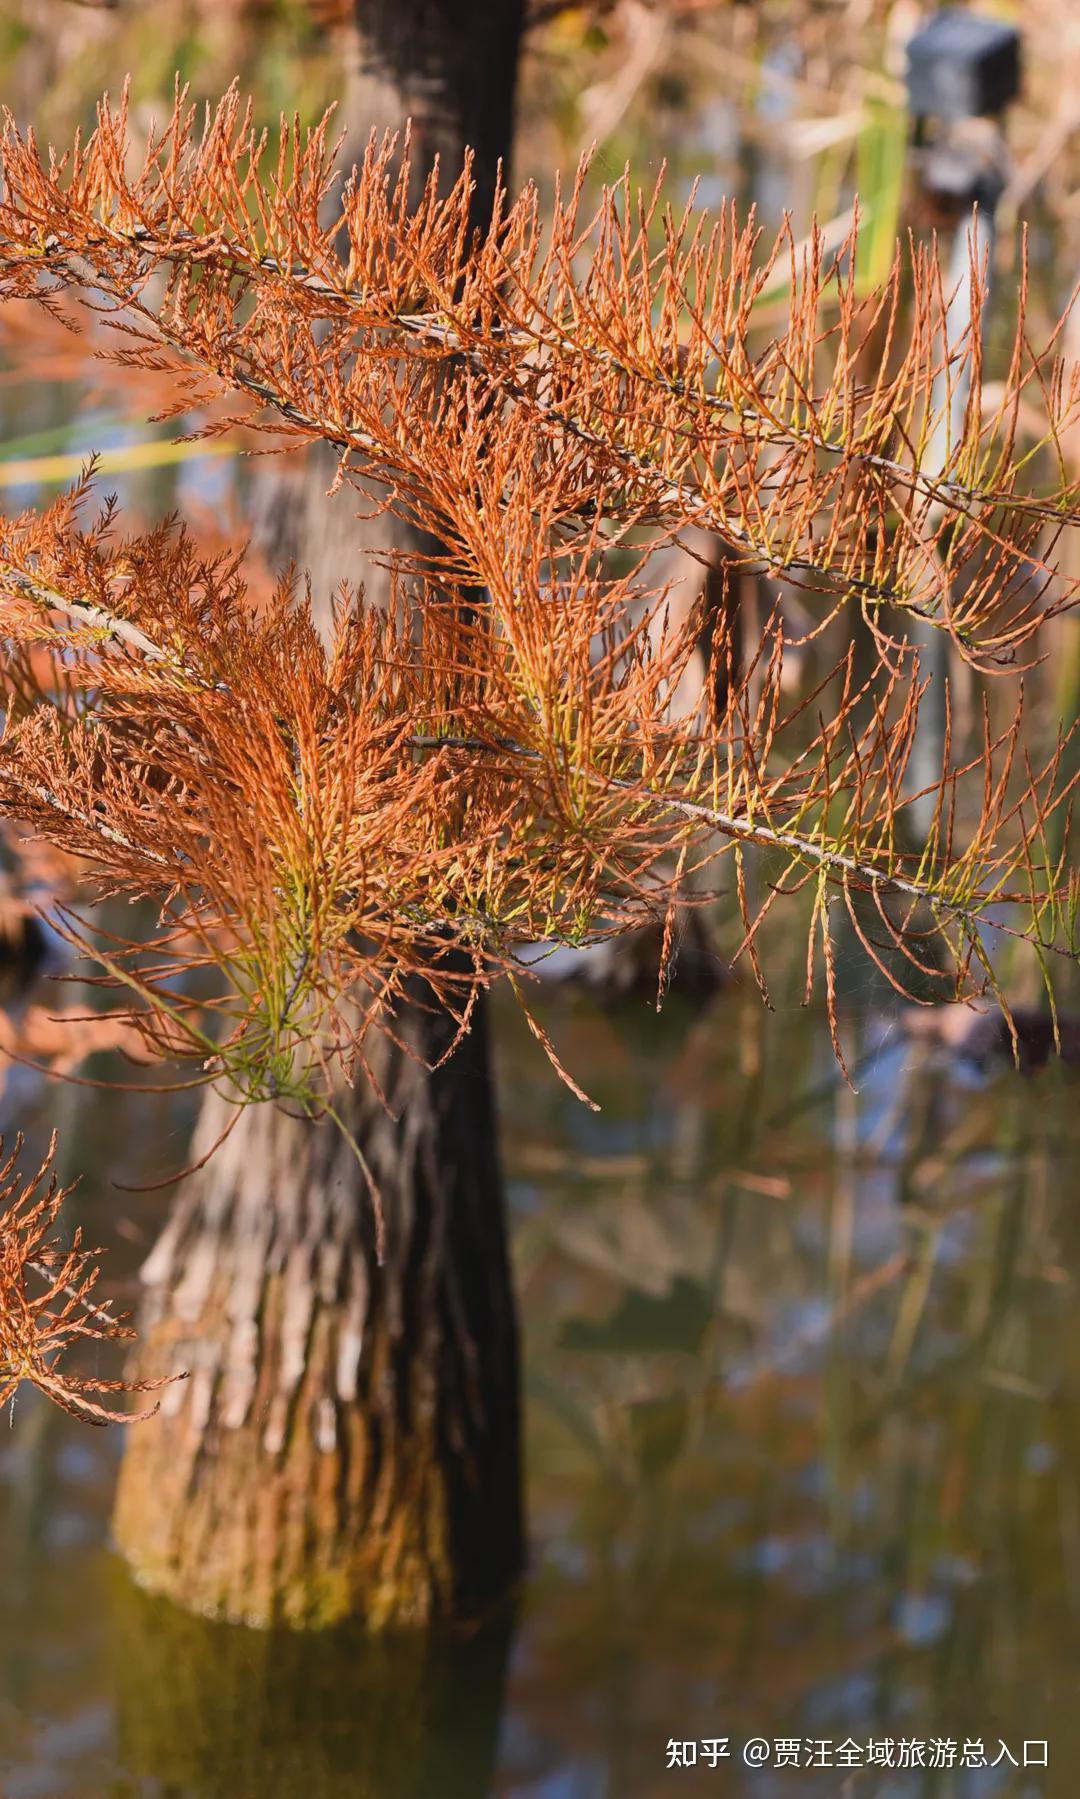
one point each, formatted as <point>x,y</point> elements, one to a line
<point>449,67</point>
<point>348,1444</point>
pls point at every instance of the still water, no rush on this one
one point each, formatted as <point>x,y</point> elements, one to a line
<point>802,1365</point>
<point>803,1388</point>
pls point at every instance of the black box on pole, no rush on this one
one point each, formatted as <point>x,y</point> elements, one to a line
<point>961,65</point>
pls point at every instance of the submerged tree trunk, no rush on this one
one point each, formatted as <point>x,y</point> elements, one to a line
<point>348,1443</point>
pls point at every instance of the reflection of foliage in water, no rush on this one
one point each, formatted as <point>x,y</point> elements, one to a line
<point>800,1379</point>
<point>800,1435</point>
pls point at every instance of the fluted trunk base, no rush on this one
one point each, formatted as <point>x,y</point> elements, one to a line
<point>347,1445</point>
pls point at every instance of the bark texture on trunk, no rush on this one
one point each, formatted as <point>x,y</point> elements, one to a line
<point>348,1443</point>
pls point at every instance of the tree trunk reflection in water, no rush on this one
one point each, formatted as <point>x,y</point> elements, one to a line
<point>239,1714</point>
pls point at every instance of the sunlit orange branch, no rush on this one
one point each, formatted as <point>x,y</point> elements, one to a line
<point>45,1304</point>
<point>625,345</point>
<point>495,760</point>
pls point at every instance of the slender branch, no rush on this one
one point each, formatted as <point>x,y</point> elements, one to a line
<point>87,819</point>
<point>187,248</point>
<point>100,1313</point>
<point>85,612</point>
<point>804,848</point>
<point>685,498</point>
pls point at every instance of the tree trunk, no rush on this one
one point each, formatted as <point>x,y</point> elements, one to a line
<point>348,1444</point>
<point>449,67</point>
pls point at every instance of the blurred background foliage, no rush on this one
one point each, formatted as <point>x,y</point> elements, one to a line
<point>803,1365</point>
